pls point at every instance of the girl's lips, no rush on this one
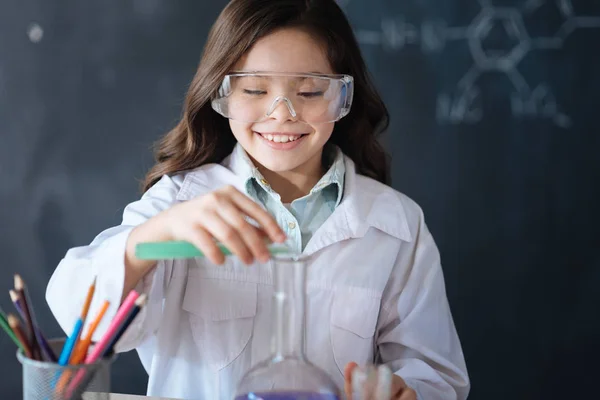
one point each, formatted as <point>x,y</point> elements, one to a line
<point>288,145</point>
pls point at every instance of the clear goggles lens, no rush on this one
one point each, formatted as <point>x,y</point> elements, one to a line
<point>256,97</point>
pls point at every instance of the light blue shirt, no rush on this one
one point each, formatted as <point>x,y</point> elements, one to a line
<point>305,215</point>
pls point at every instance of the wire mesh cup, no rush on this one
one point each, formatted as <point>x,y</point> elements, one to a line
<point>49,381</point>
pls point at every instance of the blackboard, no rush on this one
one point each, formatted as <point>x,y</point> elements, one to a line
<point>493,132</point>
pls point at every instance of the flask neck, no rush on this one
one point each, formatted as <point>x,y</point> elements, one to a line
<point>289,297</point>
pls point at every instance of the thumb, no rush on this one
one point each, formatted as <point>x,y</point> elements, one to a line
<point>348,379</point>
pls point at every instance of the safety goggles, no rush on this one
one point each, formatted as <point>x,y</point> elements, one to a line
<point>312,98</point>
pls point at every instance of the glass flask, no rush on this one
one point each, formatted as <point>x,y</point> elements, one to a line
<point>287,374</point>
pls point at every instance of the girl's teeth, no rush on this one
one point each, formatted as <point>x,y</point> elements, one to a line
<point>281,138</point>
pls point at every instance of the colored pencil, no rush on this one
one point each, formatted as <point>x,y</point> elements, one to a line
<point>122,313</point>
<point>6,327</point>
<point>65,354</point>
<point>29,317</point>
<point>88,300</point>
<point>14,296</point>
<point>15,325</point>
<point>82,347</point>
<point>101,346</point>
<point>74,338</point>
<point>84,315</point>
<point>139,303</point>
<point>70,343</point>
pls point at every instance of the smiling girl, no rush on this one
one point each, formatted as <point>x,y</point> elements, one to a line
<point>280,126</point>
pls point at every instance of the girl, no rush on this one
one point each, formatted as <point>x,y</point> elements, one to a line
<point>265,137</point>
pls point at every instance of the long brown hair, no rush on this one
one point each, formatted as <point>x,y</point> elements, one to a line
<point>203,136</point>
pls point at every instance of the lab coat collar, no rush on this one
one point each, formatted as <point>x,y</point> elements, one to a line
<point>365,203</point>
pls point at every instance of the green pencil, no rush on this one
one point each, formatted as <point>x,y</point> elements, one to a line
<point>6,327</point>
<point>182,249</point>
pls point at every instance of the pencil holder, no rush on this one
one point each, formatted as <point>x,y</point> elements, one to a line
<point>49,381</point>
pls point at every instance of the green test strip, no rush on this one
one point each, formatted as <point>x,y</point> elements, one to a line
<point>180,249</point>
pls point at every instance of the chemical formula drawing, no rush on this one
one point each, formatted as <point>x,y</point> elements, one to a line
<point>463,105</point>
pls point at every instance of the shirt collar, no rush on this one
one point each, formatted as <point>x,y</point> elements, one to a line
<point>334,175</point>
<point>366,203</point>
<point>241,165</point>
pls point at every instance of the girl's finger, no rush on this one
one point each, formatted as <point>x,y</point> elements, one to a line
<point>200,238</point>
<point>384,388</point>
<point>253,240</point>
<point>398,384</point>
<point>254,211</point>
<point>399,388</point>
<point>363,383</point>
<point>227,235</point>
<point>407,394</point>
<point>348,379</point>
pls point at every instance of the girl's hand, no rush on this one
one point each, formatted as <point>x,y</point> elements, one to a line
<point>376,387</point>
<point>221,215</point>
<point>217,215</point>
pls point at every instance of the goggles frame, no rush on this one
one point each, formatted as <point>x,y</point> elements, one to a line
<point>346,85</point>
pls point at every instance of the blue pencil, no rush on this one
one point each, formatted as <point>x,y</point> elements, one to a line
<point>70,343</point>
<point>67,349</point>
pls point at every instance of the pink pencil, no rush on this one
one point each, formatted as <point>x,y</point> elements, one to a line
<point>101,346</point>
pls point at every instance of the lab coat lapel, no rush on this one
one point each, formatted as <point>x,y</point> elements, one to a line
<point>365,204</point>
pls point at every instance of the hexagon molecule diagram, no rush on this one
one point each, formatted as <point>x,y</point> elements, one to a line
<point>481,35</point>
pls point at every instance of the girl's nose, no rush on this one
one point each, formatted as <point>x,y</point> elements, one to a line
<point>282,113</point>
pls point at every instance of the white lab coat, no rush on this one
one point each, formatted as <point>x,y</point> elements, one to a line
<point>375,292</point>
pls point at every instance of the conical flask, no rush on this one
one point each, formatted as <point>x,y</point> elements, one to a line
<point>287,374</point>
